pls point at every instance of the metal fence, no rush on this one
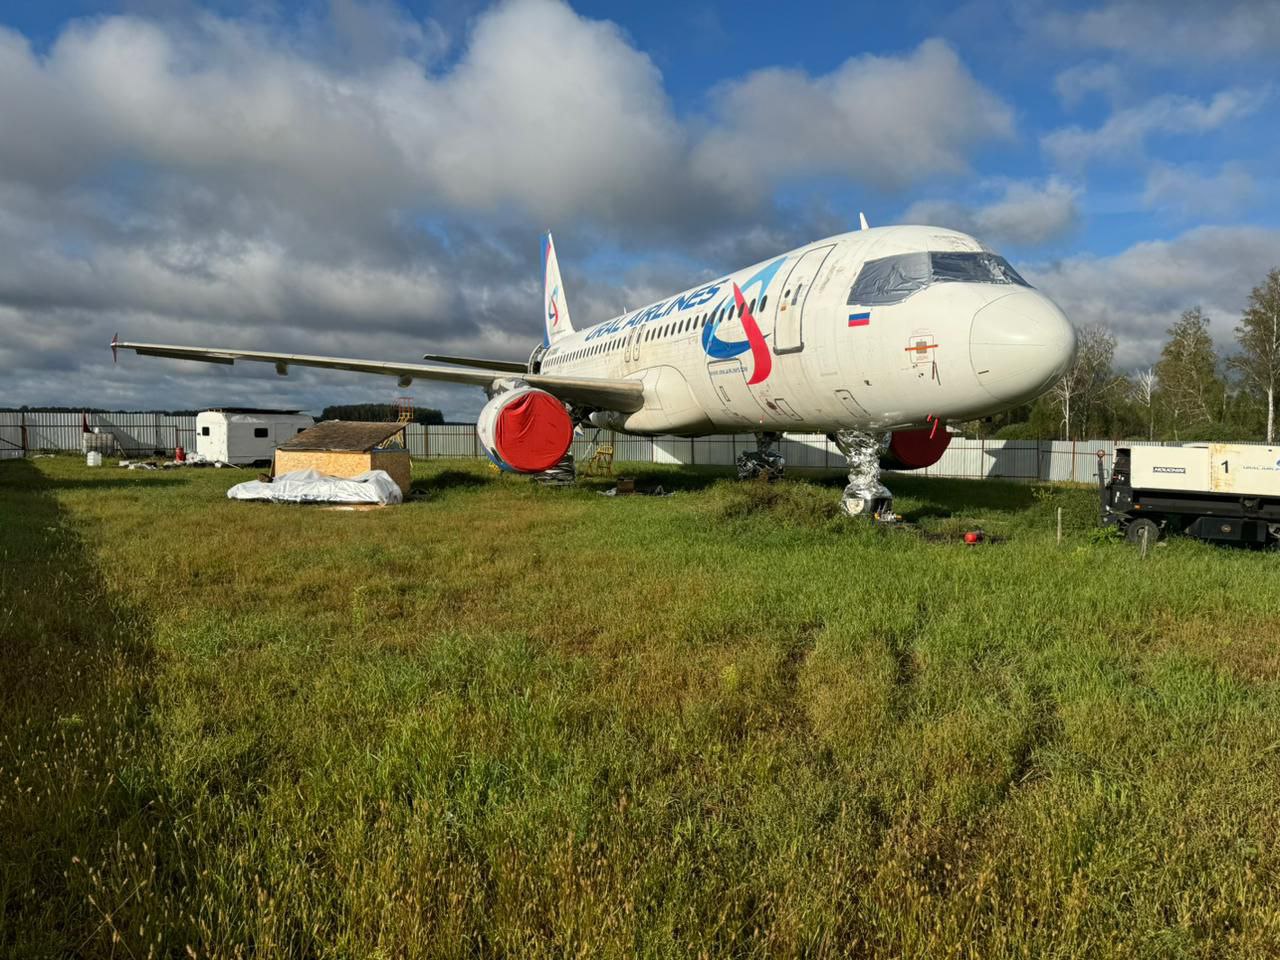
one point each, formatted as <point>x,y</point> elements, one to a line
<point>145,433</point>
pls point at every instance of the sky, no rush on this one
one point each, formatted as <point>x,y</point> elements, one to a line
<point>368,178</point>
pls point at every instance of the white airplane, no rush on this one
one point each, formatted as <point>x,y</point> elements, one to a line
<point>886,331</point>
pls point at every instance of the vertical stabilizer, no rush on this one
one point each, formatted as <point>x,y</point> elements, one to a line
<point>555,310</point>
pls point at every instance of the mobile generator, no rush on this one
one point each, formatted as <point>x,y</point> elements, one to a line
<point>1222,492</point>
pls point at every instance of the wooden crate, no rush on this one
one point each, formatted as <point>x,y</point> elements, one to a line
<point>343,463</point>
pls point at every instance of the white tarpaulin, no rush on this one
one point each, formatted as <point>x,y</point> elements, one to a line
<point>311,486</point>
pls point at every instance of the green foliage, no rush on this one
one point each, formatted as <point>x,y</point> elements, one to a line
<point>504,720</point>
<point>1100,534</point>
<point>1259,337</point>
<point>379,413</point>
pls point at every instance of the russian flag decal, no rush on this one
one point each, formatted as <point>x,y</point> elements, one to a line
<point>860,319</point>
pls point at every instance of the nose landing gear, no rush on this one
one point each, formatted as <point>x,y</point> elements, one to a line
<point>764,461</point>
<point>865,495</point>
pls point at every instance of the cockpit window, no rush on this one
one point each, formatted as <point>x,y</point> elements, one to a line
<point>893,279</point>
<point>890,279</point>
<point>974,268</point>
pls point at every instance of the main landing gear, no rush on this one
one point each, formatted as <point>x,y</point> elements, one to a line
<point>764,461</point>
<point>865,495</point>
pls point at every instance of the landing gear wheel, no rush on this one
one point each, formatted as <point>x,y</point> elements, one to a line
<point>1140,528</point>
<point>764,462</point>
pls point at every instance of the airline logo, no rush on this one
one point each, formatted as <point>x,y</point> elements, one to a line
<point>762,361</point>
<point>553,311</point>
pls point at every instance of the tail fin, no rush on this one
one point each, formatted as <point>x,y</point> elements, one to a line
<point>555,310</point>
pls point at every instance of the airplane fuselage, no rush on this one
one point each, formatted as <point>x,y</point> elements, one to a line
<point>879,329</point>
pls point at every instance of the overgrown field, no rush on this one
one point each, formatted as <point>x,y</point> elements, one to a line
<point>512,721</point>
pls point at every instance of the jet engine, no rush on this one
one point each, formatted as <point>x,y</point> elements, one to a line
<point>915,449</point>
<point>525,430</point>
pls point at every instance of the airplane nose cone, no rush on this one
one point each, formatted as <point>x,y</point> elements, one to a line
<point>1019,345</point>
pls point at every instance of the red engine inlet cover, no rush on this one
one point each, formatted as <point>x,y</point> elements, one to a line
<point>533,432</point>
<point>914,449</point>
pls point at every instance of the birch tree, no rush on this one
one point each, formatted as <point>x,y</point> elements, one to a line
<point>1190,390</point>
<point>1144,391</point>
<point>1086,381</point>
<point>1259,337</point>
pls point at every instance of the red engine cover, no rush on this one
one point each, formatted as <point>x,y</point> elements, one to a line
<point>533,432</point>
<point>913,449</point>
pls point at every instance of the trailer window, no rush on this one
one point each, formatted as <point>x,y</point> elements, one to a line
<point>204,431</point>
<point>259,431</point>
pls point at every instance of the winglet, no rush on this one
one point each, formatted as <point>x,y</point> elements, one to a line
<point>115,344</point>
<point>862,221</point>
<point>555,309</point>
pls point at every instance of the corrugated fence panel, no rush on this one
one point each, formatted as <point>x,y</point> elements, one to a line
<point>10,435</point>
<point>143,433</point>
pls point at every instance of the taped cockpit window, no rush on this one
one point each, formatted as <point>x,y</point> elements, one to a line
<point>974,268</point>
<point>890,279</point>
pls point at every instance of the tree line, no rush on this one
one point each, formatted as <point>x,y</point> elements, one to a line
<point>379,413</point>
<point>1191,393</point>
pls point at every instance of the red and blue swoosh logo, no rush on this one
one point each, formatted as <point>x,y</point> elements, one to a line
<point>762,361</point>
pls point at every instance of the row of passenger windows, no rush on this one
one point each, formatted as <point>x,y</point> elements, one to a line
<point>656,333</point>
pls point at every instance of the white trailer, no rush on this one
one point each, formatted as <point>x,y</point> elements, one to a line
<point>246,436</point>
<point>1214,491</point>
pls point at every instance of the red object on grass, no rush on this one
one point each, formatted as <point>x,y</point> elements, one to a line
<point>533,433</point>
<point>973,536</point>
<point>179,455</point>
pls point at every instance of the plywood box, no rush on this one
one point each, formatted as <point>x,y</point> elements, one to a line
<point>341,448</point>
<point>347,463</point>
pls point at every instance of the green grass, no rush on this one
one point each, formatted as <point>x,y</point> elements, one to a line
<point>512,721</point>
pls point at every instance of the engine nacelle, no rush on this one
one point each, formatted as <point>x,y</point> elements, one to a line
<point>525,430</point>
<point>915,449</point>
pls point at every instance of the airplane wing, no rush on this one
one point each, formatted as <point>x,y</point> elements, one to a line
<point>624,395</point>
<point>513,366</point>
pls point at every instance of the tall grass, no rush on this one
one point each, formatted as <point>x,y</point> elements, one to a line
<point>507,720</point>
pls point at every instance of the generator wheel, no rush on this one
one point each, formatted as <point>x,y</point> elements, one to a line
<point>1134,532</point>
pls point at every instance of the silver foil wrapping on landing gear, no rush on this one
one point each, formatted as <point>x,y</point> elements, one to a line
<point>865,495</point>
<point>764,461</point>
<point>561,475</point>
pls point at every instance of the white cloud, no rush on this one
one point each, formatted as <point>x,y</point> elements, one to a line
<point>1139,292</point>
<point>1182,191</point>
<point>1173,31</point>
<point>1026,214</point>
<point>885,120</point>
<point>336,184</point>
<point>1076,83</point>
<point>1123,136</point>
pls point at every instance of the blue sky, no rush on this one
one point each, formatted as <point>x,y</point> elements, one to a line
<point>369,178</point>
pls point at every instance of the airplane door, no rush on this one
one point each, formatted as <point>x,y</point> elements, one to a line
<point>788,324</point>
<point>631,350</point>
<point>729,380</point>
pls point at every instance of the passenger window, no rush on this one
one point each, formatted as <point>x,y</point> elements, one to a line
<point>752,305</point>
<point>763,301</point>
